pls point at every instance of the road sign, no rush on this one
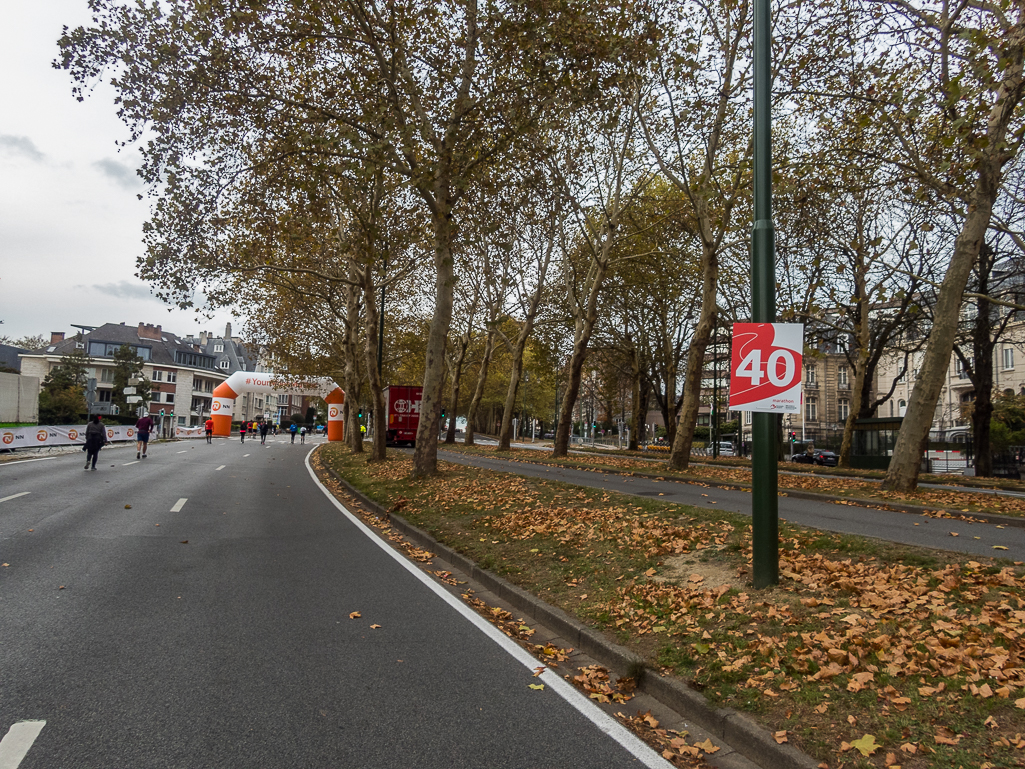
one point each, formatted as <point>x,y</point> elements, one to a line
<point>99,408</point>
<point>765,370</point>
<point>129,391</point>
<point>134,398</point>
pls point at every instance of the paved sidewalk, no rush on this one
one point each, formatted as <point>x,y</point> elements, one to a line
<point>816,511</point>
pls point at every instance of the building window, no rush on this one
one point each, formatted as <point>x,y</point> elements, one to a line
<point>810,375</point>
<point>223,364</point>
<point>168,397</point>
<point>902,407</point>
<point>107,375</point>
<point>811,410</point>
<point>172,376</point>
<point>103,396</point>
<point>891,408</point>
<point>158,376</point>
<point>747,417</point>
<point>218,348</point>
<point>1008,357</point>
<point>181,420</point>
<point>843,409</point>
<point>960,370</point>
<point>841,377</point>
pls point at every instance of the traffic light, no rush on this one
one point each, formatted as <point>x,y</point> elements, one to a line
<point>442,412</point>
<point>161,413</point>
<point>360,414</point>
<point>793,436</point>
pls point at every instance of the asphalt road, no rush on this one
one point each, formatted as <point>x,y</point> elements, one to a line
<point>905,528</point>
<point>207,625</point>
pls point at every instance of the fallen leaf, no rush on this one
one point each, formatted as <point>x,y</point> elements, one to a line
<point>539,671</point>
<point>999,547</point>
<point>708,746</point>
<point>184,542</point>
<point>945,736</point>
<point>780,737</point>
<point>374,627</point>
<point>537,687</point>
<point>128,507</point>
<point>909,748</point>
<point>866,745</point>
<point>355,615</point>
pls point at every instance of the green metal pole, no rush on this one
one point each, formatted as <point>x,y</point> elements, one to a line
<point>765,482</point>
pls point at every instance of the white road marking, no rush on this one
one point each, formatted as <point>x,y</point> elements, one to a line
<point>244,455</point>
<point>184,452</point>
<point>133,462</point>
<point>604,723</point>
<point>23,461</point>
<point>222,467</point>
<point>15,496</point>
<point>15,745</point>
<point>179,505</point>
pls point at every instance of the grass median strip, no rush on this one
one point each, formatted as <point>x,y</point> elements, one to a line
<point>866,654</point>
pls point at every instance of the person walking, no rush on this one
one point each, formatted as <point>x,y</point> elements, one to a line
<point>292,429</point>
<point>143,427</point>
<point>263,433</point>
<point>95,439</point>
<point>242,431</point>
<point>209,430</point>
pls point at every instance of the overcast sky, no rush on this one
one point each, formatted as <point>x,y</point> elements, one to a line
<point>70,222</point>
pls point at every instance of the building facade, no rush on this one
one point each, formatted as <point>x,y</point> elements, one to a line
<point>182,376</point>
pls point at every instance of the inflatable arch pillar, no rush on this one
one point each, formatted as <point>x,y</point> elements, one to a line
<point>226,392</point>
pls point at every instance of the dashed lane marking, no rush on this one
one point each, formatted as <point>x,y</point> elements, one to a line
<point>15,496</point>
<point>133,462</point>
<point>222,467</point>
<point>23,461</point>
<point>179,505</point>
<point>184,452</point>
<point>16,744</point>
<point>244,455</point>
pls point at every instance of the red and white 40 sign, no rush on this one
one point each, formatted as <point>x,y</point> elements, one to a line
<point>765,369</point>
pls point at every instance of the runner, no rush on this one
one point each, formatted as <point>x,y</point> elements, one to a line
<point>292,429</point>
<point>242,431</point>
<point>210,430</point>
<point>144,425</point>
<point>263,433</point>
<point>302,435</point>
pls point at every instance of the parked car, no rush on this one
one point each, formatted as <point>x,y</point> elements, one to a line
<point>547,436</point>
<point>821,457</point>
<point>725,449</point>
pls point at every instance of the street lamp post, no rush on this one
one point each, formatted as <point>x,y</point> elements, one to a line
<point>765,482</point>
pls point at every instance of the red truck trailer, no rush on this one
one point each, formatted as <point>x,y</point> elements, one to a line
<point>402,405</point>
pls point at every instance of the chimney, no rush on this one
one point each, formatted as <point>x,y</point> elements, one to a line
<point>227,331</point>
<point>202,338</point>
<point>146,331</point>
<point>56,336</point>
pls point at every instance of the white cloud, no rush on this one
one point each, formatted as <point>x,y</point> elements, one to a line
<point>124,289</point>
<point>119,173</point>
<point>20,146</point>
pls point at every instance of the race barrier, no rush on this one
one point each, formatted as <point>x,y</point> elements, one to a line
<point>68,435</point>
<point>226,392</point>
<point>58,435</point>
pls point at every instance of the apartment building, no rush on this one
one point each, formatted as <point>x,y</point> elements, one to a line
<point>231,355</point>
<point>182,376</point>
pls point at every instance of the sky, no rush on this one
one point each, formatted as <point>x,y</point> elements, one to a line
<point>70,219</point>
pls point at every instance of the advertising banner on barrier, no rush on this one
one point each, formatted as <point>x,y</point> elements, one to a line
<point>65,435</point>
<point>190,432</point>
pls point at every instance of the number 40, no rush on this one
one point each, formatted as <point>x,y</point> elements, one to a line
<point>751,367</point>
